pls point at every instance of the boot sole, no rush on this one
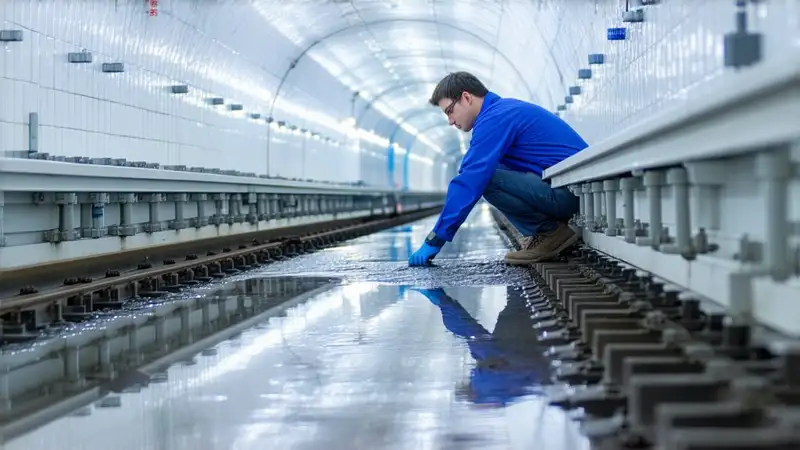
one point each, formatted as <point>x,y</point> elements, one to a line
<point>525,261</point>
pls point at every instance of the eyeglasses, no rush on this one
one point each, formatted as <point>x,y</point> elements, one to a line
<point>449,109</point>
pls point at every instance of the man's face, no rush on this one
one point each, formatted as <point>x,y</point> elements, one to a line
<point>459,111</point>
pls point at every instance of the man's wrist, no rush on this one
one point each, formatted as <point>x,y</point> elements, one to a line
<point>433,240</point>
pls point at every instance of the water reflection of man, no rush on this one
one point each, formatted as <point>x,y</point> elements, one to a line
<point>508,361</point>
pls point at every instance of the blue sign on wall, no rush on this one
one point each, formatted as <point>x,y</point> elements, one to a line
<point>616,34</point>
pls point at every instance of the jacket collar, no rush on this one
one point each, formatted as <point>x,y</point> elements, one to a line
<point>490,99</point>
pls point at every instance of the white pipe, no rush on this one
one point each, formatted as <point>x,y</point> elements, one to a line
<point>628,186</point>
<point>773,169</point>
<point>610,187</point>
<point>679,179</point>
<point>653,180</point>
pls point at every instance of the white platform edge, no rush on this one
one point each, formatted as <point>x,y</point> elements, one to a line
<point>29,255</point>
<point>751,109</point>
<point>30,175</point>
<point>776,305</point>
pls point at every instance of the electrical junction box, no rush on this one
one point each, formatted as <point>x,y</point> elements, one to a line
<point>114,67</point>
<point>80,57</point>
<point>597,58</point>
<point>10,35</point>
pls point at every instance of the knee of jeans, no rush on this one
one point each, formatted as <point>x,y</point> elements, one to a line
<point>570,203</point>
<point>492,186</point>
<point>490,194</point>
<point>575,206</point>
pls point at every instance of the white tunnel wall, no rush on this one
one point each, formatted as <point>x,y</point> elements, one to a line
<point>217,50</point>
<point>422,174</point>
<point>375,169</point>
<point>373,163</point>
<point>222,50</point>
<point>667,60</point>
<point>676,52</point>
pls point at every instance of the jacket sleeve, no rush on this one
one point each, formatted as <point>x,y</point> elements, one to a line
<point>492,135</point>
<point>458,321</point>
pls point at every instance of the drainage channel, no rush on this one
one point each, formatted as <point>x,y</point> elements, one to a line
<point>369,354</point>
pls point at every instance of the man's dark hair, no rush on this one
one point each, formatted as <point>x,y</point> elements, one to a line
<point>454,84</point>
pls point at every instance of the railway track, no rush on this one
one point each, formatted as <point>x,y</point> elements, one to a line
<point>648,365</point>
<point>82,293</point>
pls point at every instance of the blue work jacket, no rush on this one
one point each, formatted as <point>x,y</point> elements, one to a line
<point>519,135</point>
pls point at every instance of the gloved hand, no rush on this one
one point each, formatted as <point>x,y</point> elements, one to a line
<point>424,255</point>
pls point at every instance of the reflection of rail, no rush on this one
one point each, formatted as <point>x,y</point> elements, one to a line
<point>82,295</point>
<point>136,349</point>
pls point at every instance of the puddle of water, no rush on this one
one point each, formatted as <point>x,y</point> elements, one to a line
<point>226,308</point>
<point>395,357</point>
<point>474,258</point>
<point>363,365</point>
<point>275,290</point>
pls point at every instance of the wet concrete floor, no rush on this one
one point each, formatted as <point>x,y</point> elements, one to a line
<point>390,358</point>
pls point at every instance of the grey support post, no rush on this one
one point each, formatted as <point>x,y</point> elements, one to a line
<point>126,227</point>
<point>180,200</point>
<point>98,202</point>
<point>155,217</point>
<point>2,226</point>
<point>202,216</point>
<point>66,202</point>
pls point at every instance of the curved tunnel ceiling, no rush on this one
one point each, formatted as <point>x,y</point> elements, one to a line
<point>428,123</point>
<point>394,51</point>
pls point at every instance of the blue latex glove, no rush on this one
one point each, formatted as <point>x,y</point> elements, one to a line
<point>424,255</point>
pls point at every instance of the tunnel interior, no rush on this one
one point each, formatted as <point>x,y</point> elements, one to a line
<point>208,208</point>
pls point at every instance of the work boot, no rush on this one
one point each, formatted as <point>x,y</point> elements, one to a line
<point>543,246</point>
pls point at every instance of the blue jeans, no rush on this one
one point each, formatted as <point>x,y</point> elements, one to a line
<point>529,203</point>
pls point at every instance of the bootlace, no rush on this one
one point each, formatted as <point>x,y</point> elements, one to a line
<point>531,242</point>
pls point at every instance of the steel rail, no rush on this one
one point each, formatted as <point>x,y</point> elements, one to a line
<point>246,256</point>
